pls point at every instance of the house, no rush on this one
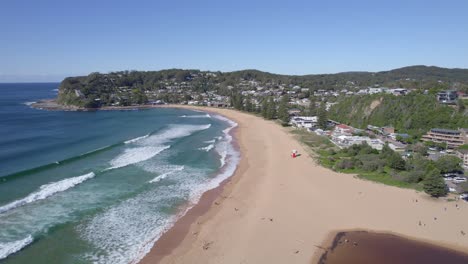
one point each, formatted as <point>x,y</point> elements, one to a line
<point>394,136</point>
<point>375,90</point>
<point>218,104</point>
<point>463,155</point>
<point>304,121</point>
<point>386,130</point>
<point>347,141</point>
<point>343,129</point>
<point>447,97</point>
<point>294,111</point>
<point>399,91</point>
<point>453,138</point>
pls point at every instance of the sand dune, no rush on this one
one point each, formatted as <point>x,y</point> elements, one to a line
<point>277,209</point>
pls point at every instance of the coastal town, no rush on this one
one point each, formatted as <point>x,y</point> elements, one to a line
<point>314,106</point>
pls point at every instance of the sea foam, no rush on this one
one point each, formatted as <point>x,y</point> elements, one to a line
<point>168,171</point>
<point>173,132</point>
<point>29,103</point>
<point>207,148</point>
<point>135,155</point>
<point>120,237</point>
<point>146,147</point>
<point>196,116</point>
<point>47,190</point>
<point>136,139</point>
<point>8,248</point>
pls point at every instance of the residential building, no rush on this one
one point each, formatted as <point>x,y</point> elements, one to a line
<point>347,141</point>
<point>304,121</point>
<point>343,129</point>
<point>386,130</point>
<point>447,97</point>
<point>463,155</point>
<point>294,111</point>
<point>453,138</point>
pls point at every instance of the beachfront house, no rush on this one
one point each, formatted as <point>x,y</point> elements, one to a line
<point>343,129</point>
<point>304,121</point>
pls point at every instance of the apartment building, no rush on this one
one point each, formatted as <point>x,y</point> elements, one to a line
<point>453,138</point>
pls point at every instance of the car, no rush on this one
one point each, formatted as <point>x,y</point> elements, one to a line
<point>451,189</point>
<point>464,196</point>
<point>459,179</point>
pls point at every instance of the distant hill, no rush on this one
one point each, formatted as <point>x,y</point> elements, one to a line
<point>131,87</point>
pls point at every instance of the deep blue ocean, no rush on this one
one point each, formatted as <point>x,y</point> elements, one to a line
<point>100,187</point>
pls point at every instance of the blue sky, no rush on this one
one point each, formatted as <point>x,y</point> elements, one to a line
<point>48,40</point>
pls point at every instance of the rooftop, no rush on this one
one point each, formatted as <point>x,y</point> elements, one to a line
<point>445,131</point>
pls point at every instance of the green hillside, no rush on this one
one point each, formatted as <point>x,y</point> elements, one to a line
<point>414,113</point>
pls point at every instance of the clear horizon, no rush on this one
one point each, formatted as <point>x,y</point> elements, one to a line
<point>48,40</point>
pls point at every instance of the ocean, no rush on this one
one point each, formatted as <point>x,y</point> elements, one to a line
<point>102,186</point>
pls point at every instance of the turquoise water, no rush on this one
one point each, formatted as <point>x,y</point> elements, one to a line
<point>100,187</point>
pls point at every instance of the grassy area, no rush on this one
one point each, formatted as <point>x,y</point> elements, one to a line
<point>328,154</point>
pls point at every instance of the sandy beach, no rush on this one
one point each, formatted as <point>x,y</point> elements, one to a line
<point>277,209</point>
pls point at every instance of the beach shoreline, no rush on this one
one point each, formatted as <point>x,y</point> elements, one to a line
<point>191,238</point>
<point>259,215</point>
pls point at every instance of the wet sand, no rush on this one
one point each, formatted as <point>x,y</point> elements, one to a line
<point>362,247</point>
<point>280,210</point>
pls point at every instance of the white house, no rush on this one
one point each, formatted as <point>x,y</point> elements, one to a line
<point>304,121</point>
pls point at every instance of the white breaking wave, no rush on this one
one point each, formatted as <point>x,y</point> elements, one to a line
<point>164,175</point>
<point>207,148</point>
<point>173,132</point>
<point>224,144</point>
<point>29,103</point>
<point>47,190</point>
<point>150,146</point>
<point>196,116</point>
<point>9,248</point>
<point>135,155</point>
<point>125,233</point>
<point>210,141</point>
<point>136,139</point>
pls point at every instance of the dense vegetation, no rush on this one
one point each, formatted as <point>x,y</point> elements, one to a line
<point>385,166</point>
<point>130,87</point>
<point>414,113</point>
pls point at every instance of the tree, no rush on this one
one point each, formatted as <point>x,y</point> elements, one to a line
<point>418,148</point>
<point>271,109</point>
<point>464,187</point>
<point>249,105</point>
<point>322,118</point>
<point>461,106</point>
<point>237,101</point>
<point>386,151</point>
<point>417,167</point>
<point>312,106</point>
<point>283,114</point>
<point>434,184</point>
<point>395,161</point>
<point>265,108</point>
<point>448,164</point>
